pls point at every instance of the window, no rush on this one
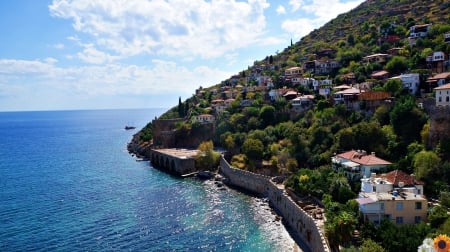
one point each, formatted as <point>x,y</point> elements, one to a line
<point>418,205</point>
<point>382,206</point>
<point>417,219</point>
<point>399,206</point>
<point>399,220</point>
<point>447,99</point>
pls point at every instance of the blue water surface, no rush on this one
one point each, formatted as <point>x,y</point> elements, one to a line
<point>67,183</point>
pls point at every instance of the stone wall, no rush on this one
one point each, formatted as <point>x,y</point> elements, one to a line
<point>439,124</point>
<point>304,225</point>
<point>164,132</point>
<point>172,162</point>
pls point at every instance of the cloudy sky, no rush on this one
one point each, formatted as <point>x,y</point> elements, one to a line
<point>97,54</point>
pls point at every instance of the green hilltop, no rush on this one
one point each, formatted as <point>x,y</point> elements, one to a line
<point>345,86</point>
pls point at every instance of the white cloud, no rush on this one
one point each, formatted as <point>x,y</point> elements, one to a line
<point>91,55</point>
<point>281,9</point>
<point>326,10</point>
<point>161,77</point>
<point>299,27</point>
<point>295,4</point>
<point>319,12</point>
<point>200,28</point>
<point>59,46</point>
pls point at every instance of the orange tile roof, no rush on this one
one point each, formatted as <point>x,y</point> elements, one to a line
<point>397,176</point>
<point>443,75</point>
<point>362,159</point>
<point>446,86</point>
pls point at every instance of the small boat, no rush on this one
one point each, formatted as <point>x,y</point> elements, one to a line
<point>129,127</point>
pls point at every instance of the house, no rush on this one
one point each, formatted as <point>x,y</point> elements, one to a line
<point>325,87</point>
<point>310,82</point>
<point>204,118</point>
<point>291,94</point>
<point>410,82</point>
<point>380,58</point>
<point>293,71</point>
<point>296,80</point>
<point>436,62</point>
<point>398,206</point>
<point>395,51</point>
<point>356,164</point>
<point>447,37</point>
<point>380,75</point>
<point>228,102</point>
<point>443,95</point>
<point>320,66</point>
<point>439,79</point>
<point>302,103</point>
<point>325,66</point>
<point>217,105</point>
<point>349,97</point>
<point>373,99</point>
<point>419,31</point>
<point>396,180</point>
<point>275,93</point>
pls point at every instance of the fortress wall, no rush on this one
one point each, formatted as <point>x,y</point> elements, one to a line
<point>303,225</point>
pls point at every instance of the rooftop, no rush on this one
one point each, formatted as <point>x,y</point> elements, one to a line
<point>361,157</point>
<point>446,86</point>
<point>367,198</point>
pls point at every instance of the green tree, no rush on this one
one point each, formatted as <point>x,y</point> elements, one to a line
<point>407,120</point>
<point>206,157</point>
<point>437,216</point>
<point>340,189</point>
<point>181,109</point>
<point>393,86</point>
<point>369,245</point>
<point>339,228</point>
<point>397,65</point>
<point>267,115</point>
<point>424,162</point>
<point>253,149</point>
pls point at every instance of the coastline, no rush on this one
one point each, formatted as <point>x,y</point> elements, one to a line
<point>143,152</point>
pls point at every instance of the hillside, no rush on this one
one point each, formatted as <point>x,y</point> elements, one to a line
<point>363,84</point>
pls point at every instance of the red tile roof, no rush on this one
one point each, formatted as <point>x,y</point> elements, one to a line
<point>363,159</point>
<point>379,74</point>
<point>397,176</point>
<point>443,75</point>
<point>446,86</point>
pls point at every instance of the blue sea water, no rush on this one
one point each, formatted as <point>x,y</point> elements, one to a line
<point>67,183</point>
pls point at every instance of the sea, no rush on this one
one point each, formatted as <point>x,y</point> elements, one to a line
<point>67,183</point>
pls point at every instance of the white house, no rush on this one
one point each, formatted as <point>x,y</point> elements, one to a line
<point>204,118</point>
<point>357,163</point>
<point>419,31</point>
<point>396,180</point>
<point>302,102</point>
<point>325,87</point>
<point>410,82</point>
<point>398,207</point>
<point>443,95</point>
<point>310,82</point>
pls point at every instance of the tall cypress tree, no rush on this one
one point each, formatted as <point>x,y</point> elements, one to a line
<point>180,108</point>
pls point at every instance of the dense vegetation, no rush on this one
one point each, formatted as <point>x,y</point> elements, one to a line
<point>267,137</point>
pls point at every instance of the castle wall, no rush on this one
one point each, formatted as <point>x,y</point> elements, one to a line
<point>303,225</point>
<point>174,161</point>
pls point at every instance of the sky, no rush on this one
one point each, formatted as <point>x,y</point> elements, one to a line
<point>109,54</point>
